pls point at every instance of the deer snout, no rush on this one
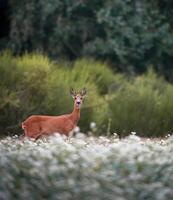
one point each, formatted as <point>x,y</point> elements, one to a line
<point>78,102</point>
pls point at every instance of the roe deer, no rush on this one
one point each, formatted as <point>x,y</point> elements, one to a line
<point>36,126</point>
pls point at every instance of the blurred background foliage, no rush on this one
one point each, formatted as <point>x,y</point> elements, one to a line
<point>103,45</point>
<point>130,34</point>
<point>33,84</point>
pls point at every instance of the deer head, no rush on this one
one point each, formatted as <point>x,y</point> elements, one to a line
<point>78,97</point>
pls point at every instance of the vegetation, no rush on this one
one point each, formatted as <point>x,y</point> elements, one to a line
<point>48,46</point>
<point>142,105</point>
<point>132,35</point>
<point>32,84</point>
<point>86,168</point>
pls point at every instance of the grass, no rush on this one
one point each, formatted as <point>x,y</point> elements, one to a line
<point>86,168</point>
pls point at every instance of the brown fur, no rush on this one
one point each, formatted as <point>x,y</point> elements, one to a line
<point>36,126</point>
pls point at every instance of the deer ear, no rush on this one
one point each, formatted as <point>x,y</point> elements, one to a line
<point>83,91</point>
<point>72,92</point>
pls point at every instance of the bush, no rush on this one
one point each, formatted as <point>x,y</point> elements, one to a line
<point>96,72</point>
<point>140,105</point>
<point>32,84</point>
<point>9,101</point>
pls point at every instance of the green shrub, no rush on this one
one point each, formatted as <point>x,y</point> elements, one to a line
<point>142,105</point>
<point>96,72</point>
<point>35,69</point>
<point>9,101</point>
<point>32,84</point>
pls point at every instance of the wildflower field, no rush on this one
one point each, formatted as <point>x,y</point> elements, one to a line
<point>86,168</point>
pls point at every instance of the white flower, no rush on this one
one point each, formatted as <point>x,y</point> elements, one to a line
<point>76,129</point>
<point>102,162</point>
<point>133,133</point>
<point>92,125</point>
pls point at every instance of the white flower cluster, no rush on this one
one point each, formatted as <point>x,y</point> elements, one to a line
<point>86,168</point>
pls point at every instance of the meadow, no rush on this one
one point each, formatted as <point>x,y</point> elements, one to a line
<point>86,167</point>
<point>107,162</point>
<point>122,53</point>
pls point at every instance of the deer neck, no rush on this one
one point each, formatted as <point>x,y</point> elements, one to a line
<point>75,115</point>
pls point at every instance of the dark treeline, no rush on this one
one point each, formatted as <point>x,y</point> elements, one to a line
<point>132,35</point>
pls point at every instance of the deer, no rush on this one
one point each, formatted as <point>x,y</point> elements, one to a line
<point>37,126</point>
